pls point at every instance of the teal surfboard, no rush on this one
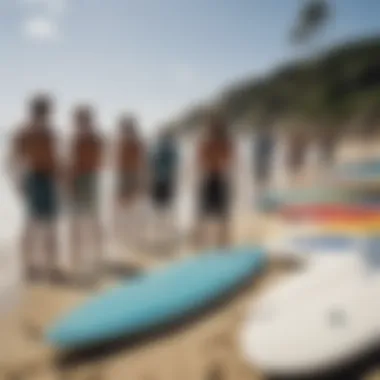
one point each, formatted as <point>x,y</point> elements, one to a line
<point>359,170</point>
<point>333,195</point>
<point>156,299</point>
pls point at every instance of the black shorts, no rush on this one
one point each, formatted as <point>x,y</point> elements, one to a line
<point>41,196</point>
<point>163,193</point>
<point>214,196</point>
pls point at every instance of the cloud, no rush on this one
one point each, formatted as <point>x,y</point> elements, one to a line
<point>41,29</point>
<point>43,18</point>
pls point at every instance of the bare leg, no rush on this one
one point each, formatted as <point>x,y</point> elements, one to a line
<point>133,222</point>
<point>28,250</point>
<point>173,228</point>
<point>162,228</point>
<point>51,248</point>
<point>98,239</point>
<point>145,215</point>
<point>170,225</point>
<point>122,220</point>
<point>135,228</point>
<point>125,227</point>
<point>153,225</point>
<point>224,233</point>
<point>118,218</point>
<point>200,233</point>
<point>89,243</point>
<point>261,188</point>
<point>136,220</point>
<point>76,242</point>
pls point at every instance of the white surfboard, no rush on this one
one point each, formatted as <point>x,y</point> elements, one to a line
<point>319,320</point>
<point>332,269</point>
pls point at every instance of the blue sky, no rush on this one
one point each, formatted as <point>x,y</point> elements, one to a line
<point>152,57</point>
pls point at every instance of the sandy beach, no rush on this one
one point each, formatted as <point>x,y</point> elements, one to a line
<point>202,349</point>
<point>205,345</point>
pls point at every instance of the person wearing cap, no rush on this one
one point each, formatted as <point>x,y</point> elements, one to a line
<point>84,168</point>
<point>130,166</point>
<point>34,165</point>
<point>215,163</point>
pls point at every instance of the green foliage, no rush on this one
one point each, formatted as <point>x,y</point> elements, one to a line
<point>344,83</point>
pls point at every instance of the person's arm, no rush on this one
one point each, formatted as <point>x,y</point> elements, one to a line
<point>14,161</point>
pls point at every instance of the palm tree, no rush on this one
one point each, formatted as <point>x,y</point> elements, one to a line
<point>312,17</point>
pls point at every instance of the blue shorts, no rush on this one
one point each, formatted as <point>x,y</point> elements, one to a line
<point>41,196</point>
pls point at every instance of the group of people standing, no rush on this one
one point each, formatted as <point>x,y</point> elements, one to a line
<point>47,179</point>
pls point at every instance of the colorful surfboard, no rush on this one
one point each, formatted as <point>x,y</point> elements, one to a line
<point>330,212</point>
<point>360,170</point>
<point>272,201</point>
<point>363,227</point>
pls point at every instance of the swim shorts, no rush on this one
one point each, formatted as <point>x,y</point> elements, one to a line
<point>163,193</point>
<point>41,196</point>
<point>214,196</point>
